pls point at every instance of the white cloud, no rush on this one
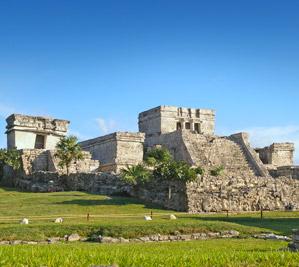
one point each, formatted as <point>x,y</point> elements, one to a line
<point>106,126</point>
<point>264,136</point>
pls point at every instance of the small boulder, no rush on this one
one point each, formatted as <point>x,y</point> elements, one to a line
<point>24,221</point>
<point>172,217</point>
<point>73,238</point>
<point>58,220</point>
<point>148,218</point>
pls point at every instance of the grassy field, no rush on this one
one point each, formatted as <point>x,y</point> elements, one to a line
<point>120,216</point>
<point>201,253</point>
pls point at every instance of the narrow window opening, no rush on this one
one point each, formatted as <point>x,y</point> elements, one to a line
<point>178,126</point>
<point>188,125</point>
<point>39,142</point>
<point>196,127</point>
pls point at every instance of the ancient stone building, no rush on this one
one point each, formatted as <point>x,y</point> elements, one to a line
<point>34,132</point>
<point>167,119</point>
<point>117,150</point>
<point>278,154</point>
<point>251,180</point>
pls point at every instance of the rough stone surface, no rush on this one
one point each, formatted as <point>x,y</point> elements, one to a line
<point>166,119</point>
<point>73,238</point>
<point>278,154</point>
<point>29,132</point>
<point>116,151</point>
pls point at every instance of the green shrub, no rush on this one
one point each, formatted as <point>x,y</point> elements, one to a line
<point>175,170</point>
<point>10,157</point>
<point>217,171</point>
<point>135,174</point>
<point>157,156</point>
<point>199,170</point>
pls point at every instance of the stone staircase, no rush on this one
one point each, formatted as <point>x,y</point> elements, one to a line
<point>217,151</point>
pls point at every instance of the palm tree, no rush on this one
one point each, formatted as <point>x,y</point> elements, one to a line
<point>67,151</point>
<point>135,174</point>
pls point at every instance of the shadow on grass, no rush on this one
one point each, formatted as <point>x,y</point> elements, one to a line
<point>111,201</point>
<point>282,226</point>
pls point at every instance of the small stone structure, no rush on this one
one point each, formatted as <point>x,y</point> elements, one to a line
<point>116,151</point>
<point>34,132</point>
<point>167,119</point>
<point>278,154</point>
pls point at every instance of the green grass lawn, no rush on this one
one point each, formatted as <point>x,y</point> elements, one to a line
<point>245,252</point>
<point>118,216</point>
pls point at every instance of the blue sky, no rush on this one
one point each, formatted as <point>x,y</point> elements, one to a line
<point>100,63</point>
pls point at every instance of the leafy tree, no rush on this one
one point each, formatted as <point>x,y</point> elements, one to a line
<point>10,157</point>
<point>135,174</point>
<point>67,151</point>
<point>175,170</point>
<point>157,156</point>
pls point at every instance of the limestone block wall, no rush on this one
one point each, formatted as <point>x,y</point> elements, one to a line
<point>116,151</point>
<point>29,132</point>
<point>234,154</point>
<point>166,119</point>
<point>242,193</point>
<point>168,194</point>
<point>242,139</point>
<point>287,171</point>
<point>100,183</point>
<point>34,160</point>
<point>278,154</point>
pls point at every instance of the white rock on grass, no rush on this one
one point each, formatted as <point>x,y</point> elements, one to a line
<point>59,220</point>
<point>148,218</point>
<point>73,238</point>
<point>172,217</point>
<point>24,221</point>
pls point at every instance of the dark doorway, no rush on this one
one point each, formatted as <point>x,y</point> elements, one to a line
<point>196,127</point>
<point>39,142</point>
<point>178,126</point>
<point>188,125</point>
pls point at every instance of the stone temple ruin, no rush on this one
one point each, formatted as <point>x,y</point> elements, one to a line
<point>252,179</point>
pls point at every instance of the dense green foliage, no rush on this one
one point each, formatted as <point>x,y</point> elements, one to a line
<point>67,151</point>
<point>157,156</point>
<point>10,157</point>
<point>136,174</point>
<point>160,164</point>
<point>232,253</point>
<point>175,170</point>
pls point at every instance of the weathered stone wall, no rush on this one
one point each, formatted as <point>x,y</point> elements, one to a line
<point>22,131</point>
<point>287,171</point>
<point>233,153</point>
<point>166,119</point>
<point>168,194</point>
<point>101,183</point>
<point>278,154</point>
<point>242,193</point>
<point>116,151</point>
<point>44,160</point>
<point>242,139</point>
